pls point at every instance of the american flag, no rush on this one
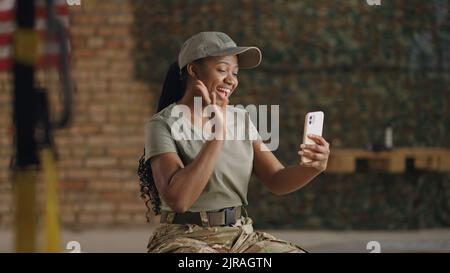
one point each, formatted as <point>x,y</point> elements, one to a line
<point>49,50</point>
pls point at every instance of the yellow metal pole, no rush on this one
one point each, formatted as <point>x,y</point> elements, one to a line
<point>25,210</point>
<point>25,54</point>
<point>52,232</point>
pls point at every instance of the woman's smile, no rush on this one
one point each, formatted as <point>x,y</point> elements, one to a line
<point>223,92</point>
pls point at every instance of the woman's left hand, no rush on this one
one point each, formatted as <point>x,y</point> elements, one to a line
<point>318,153</point>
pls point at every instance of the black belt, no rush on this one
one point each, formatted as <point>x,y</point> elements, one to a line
<point>224,217</point>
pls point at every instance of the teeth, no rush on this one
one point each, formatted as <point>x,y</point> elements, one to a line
<point>224,90</point>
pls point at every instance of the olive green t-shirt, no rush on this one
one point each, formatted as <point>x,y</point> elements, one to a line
<point>228,184</point>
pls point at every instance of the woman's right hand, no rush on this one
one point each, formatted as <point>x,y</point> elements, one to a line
<point>210,98</point>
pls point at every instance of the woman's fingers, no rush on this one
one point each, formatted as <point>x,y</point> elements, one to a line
<point>203,91</point>
<point>313,156</point>
<point>311,164</point>
<point>318,153</point>
<point>213,97</point>
<point>319,140</point>
<point>315,148</point>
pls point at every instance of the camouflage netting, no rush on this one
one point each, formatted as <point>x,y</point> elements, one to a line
<point>364,66</point>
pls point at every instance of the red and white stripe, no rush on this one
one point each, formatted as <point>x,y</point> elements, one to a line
<point>49,51</point>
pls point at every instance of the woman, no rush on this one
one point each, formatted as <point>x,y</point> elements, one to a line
<point>200,186</point>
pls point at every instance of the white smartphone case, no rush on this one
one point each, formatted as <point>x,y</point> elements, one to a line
<point>313,125</point>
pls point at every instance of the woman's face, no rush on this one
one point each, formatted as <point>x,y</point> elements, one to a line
<point>219,74</point>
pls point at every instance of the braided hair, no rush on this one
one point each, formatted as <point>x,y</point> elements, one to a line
<point>173,90</point>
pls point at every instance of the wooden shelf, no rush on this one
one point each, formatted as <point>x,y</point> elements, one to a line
<point>393,161</point>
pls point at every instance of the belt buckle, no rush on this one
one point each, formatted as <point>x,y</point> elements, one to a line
<point>230,216</point>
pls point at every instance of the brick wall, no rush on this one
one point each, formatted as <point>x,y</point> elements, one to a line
<point>98,153</point>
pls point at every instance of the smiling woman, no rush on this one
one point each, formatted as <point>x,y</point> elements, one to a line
<point>199,186</point>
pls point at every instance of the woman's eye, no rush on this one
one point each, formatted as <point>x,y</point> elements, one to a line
<point>221,70</point>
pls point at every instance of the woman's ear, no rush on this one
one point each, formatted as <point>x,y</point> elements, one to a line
<point>191,70</point>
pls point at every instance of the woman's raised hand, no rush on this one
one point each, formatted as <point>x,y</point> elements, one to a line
<point>318,153</point>
<point>201,90</point>
<point>210,98</point>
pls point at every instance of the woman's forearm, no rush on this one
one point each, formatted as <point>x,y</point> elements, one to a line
<point>188,183</point>
<point>290,179</point>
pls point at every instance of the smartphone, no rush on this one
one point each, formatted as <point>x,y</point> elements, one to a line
<point>313,125</point>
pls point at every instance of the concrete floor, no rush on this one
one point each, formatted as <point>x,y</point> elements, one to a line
<point>134,240</point>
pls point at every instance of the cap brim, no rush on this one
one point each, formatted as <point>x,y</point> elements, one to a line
<point>249,57</point>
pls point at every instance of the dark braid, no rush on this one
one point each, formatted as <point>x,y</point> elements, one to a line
<point>149,192</point>
<point>172,91</point>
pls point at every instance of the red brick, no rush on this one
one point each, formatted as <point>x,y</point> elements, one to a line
<point>123,218</point>
<point>68,219</point>
<point>87,218</point>
<point>132,207</point>
<point>76,175</point>
<point>98,118</point>
<point>85,129</point>
<point>114,174</point>
<point>5,184</point>
<point>114,31</point>
<point>98,207</point>
<point>97,109</point>
<point>101,162</point>
<point>132,185</point>
<point>95,42</point>
<point>91,64</point>
<point>117,56</point>
<point>6,220</point>
<point>69,208</point>
<point>90,20</point>
<point>120,151</point>
<point>104,140</point>
<point>97,151</point>
<point>4,76</point>
<point>75,185</point>
<point>5,208</point>
<point>80,152</point>
<point>118,196</point>
<point>133,161</point>
<point>122,19</point>
<point>84,53</point>
<point>105,219</point>
<point>79,31</point>
<point>102,184</point>
<point>76,140</point>
<point>71,163</point>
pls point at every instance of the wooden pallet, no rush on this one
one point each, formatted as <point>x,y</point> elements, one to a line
<point>394,161</point>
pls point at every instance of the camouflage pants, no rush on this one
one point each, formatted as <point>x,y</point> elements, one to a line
<point>235,239</point>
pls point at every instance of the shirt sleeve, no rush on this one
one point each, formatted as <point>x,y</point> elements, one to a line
<point>158,138</point>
